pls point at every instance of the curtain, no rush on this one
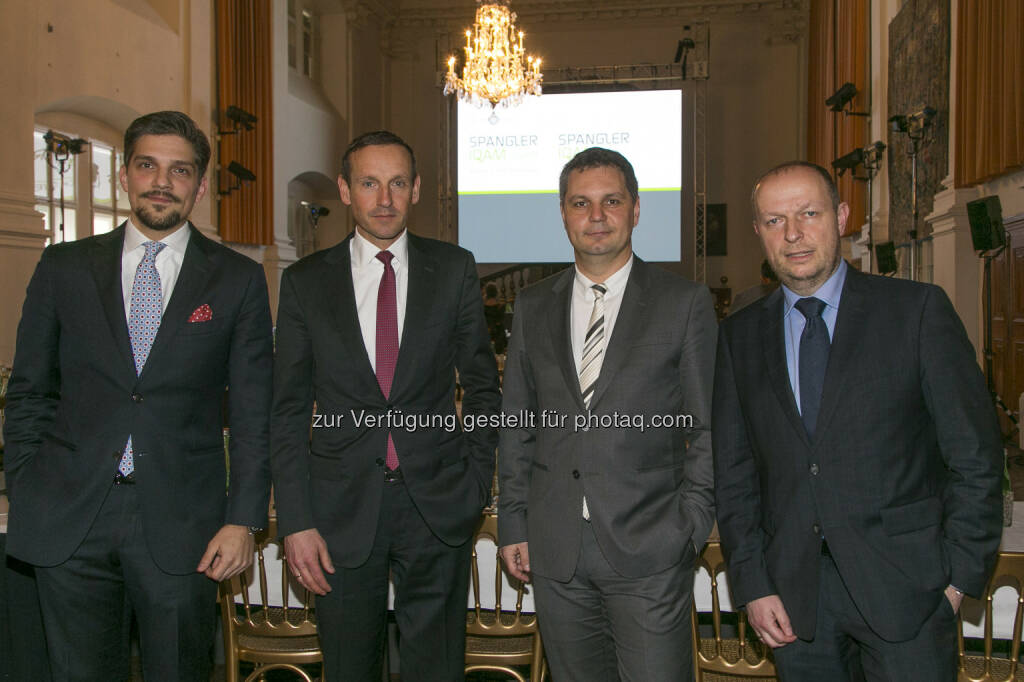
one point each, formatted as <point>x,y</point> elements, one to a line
<point>244,50</point>
<point>839,52</point>
<point>990,90</point>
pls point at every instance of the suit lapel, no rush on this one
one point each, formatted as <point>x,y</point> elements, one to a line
<point>632,312</point>
<point>196,268</point>
<point>106,271</point>
<point>559,322</point>
<point>421,290</point>
<point>773,343</point>
<point>337,278</point>
<point>850,325</point>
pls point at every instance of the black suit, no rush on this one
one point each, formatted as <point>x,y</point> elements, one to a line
<point>334,481</point>
<point>902,476</point>
<point>75,397</point>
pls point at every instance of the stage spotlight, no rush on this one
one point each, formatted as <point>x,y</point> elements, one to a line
<point>842,97</point>
<point>241,173</point>
<point>912,124</point>
<point>315,212</point>
<point>848,161</point>
<point>62,146</point>
<point>239,118</point>
<point>872,155</point>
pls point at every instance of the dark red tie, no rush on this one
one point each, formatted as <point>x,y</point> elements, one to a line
<point>387,339</point>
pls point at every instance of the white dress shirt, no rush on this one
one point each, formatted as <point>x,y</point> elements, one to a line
<point>583,305</point>
<point>168,261</point>
<point>367,271</point>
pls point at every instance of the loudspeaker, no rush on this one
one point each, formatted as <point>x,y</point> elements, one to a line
<point>886,254</point>
<point>986,218</point>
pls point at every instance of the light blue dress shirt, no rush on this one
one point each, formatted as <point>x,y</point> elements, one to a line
<point>794,320</point>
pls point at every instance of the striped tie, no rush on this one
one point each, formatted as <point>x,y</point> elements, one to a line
<point>593,356</point>
<point>593,346</point>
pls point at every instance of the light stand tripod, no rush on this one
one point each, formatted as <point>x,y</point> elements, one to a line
<point>916,126</point>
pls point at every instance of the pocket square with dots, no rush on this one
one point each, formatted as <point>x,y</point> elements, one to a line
<point>203,313</point>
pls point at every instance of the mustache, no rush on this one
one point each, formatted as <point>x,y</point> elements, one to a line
<point>161,194</point>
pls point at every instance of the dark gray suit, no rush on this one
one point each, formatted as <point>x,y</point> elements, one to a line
<point>902,477</point>
<point>648,490</point>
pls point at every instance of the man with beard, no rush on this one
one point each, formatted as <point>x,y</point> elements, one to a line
<point>115,411</point>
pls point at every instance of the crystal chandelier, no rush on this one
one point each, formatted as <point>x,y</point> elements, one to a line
<point>495,70</point>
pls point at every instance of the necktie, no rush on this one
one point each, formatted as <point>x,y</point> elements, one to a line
<point>387,339</point>
<point>814,348</point>
<point>144,315</point>
<point>593,356</point>
<point>593,346</point>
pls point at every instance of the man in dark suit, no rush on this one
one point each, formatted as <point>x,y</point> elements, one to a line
<point>606,498</point>
<point>372,332</point>
<point>857,455</point>
<point>115,456</point>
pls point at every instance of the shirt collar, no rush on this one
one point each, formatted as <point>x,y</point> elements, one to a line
<point>364,252</point>
<point>829,292</point>
<point>614,284</point>
<point>177,241</point>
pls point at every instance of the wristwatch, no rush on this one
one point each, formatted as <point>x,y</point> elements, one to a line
<point>254,530</point>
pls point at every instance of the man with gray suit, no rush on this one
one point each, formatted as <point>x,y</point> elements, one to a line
<point>606,498</point>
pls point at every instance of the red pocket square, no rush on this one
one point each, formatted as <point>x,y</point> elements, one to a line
<point>201,314</point>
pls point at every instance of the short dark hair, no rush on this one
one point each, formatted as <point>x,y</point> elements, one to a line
<point>374,138</point>
<point>598,157</point>
<point>491,290</point>
<point>767,272</point>
<point>169,123</point>
<point>826,177</point>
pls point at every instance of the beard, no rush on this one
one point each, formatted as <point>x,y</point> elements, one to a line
<point>163,220</point>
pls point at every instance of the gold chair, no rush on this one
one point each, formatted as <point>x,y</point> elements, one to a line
<point>717,659</point>
<point>496,639</point>
<point>986,667</point>
<point>272,637</point>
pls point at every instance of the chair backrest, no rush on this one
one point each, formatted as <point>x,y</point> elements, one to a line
<point>263,622</point>
<point>988,668</point>
<point>720,655</point>
<point>513,622</point>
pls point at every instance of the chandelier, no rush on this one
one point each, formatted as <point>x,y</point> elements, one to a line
<point>496,69</point>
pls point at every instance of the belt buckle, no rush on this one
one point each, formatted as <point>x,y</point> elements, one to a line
<point>122,479</point>
<point>393,475</point>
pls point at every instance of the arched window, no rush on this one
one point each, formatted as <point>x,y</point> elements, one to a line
<point>86,169</point>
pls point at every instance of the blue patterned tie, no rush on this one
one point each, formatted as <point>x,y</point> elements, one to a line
<point>143,323</point>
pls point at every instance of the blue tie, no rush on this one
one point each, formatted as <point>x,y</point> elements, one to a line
<point>814,348</point>
<point>143,324</point>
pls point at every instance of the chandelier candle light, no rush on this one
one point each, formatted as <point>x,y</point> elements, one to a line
<point>495,70</point>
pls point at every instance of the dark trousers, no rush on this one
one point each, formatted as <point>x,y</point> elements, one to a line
<point>845,649</point>
<point>431,587</point>
<point>603,627</point>
<point>87,603</point>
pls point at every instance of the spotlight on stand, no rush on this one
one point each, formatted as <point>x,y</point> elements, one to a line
<point>873,155</point>
<point>240,119</point>
<point>913,124</point>
<point>841,98</point>
<point>315,212</point>
<point>848,161</point>
<point>241,173</point>
<point>62,146</point>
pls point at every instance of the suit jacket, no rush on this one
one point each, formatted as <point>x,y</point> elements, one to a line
<point>333,479</point>
<point>74,398</point>
<point>649,490</point>
<point>902,477</point>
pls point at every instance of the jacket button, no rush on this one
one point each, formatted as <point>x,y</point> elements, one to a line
<point>380,461</point>
<point>575,473</point>
<point>817,529</point>
<point>814,470</point>
<point>137,397</point>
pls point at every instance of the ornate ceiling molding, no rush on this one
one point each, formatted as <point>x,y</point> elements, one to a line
<point>446,14</point>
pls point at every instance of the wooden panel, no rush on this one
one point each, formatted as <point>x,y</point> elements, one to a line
<point>1008,318</point>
